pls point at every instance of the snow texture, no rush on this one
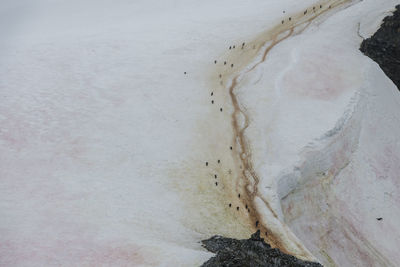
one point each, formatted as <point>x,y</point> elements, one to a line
<point>112,153</point>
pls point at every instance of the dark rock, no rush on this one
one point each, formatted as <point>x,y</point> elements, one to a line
<point>384,46</point>
<point>252,252</point>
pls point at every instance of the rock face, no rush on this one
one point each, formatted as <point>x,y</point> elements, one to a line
<point>248,252</point>
<point>383,47</point>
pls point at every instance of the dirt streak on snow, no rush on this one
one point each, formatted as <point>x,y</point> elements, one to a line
<point>275,231</point>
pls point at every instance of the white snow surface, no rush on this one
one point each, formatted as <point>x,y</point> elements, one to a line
<point>104,139</point>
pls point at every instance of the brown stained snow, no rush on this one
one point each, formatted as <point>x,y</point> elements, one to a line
<point>212,208</point>
<point>244,60</point>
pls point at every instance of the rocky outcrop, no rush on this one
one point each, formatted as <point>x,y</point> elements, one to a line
<point>384,46</point>
<point>254,252</point>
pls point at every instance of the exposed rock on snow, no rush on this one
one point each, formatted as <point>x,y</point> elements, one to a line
<point>384,46</point>
<point>252,252</point>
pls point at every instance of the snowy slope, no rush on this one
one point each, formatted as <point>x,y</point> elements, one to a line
<point>104,139</point>
<point>100,163</point>
<point>324,136</point>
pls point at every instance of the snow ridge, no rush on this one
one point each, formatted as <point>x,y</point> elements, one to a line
<point>279,235</point>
